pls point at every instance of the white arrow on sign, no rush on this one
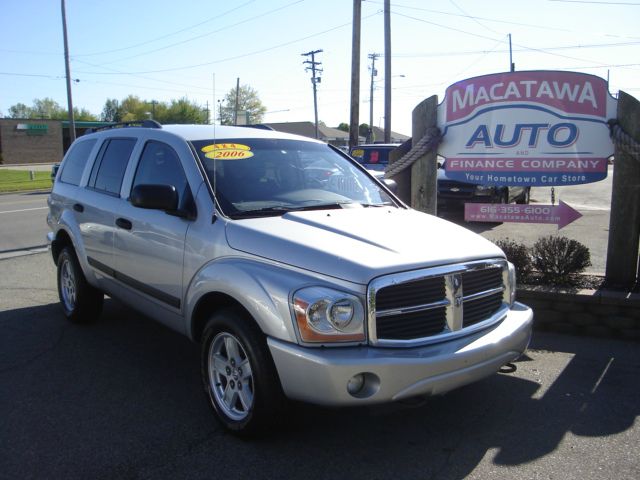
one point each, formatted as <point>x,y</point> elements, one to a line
<point>561,214</point>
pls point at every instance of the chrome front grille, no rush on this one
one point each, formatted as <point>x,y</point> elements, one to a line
<point>432,305</point>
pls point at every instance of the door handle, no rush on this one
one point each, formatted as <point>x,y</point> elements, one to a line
<point>124,223</point>
<point>78,207</point>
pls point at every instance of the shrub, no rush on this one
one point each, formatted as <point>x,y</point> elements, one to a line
<point>518,254</point>
<point>559,259</point>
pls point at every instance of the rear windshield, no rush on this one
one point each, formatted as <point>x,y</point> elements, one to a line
<point>372,155</point>
<point>261,177</point>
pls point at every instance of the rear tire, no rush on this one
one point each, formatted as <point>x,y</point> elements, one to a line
<point>81,303</point>
<point>238,373</point>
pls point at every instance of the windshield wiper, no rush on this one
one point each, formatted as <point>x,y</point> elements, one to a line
<point>384,204</point>
<point>281,210</point>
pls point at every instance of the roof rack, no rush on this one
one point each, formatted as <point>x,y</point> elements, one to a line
<point>261,126</point>
<point>134,123</point>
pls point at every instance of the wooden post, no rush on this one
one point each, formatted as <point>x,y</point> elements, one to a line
<point>624,223</point>
<point>424,172</point>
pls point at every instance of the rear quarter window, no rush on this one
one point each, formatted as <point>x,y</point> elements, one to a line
<point>76,161</point>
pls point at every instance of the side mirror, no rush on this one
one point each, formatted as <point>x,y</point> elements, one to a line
<point>391,185</point>
<point>155,197</point>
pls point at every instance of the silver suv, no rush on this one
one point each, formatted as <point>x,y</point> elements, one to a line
<point>300,275</point>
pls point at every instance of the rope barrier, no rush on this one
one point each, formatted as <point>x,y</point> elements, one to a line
<point>623,140</point>
<point>425,145</point>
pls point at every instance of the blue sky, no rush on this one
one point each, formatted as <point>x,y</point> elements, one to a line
<point>166,49</point>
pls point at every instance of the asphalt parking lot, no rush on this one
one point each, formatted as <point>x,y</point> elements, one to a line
<point>122,399</point>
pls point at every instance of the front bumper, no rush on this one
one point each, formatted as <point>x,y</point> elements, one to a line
<point>321,375</point>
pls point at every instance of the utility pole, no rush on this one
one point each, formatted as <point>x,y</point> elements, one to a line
<point>355,75</point>
<point>153,109</point>
<point>72,123</point>
<point>235,113</point>
<point>512,66</point>
<point>313,66</point>
<point>373,57</point>
<point>387,71</point>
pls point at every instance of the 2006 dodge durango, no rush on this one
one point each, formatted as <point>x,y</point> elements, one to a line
<point>300,275</point>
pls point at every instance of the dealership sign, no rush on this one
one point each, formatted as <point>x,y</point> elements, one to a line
<point>560,215</point>
<point>537,128</point>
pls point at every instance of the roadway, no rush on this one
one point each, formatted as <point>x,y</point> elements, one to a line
<point>23,217</point>
<point>122,398</point>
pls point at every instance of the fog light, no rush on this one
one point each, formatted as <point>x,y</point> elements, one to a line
<point>363,385</point>
<point>355,384</point>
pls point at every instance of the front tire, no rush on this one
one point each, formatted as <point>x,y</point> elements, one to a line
<point>81,303</point>
<point>526,197</point>
<point>239,375</point>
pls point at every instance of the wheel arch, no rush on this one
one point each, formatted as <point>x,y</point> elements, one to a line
<point>61,240</point>
<point>209,304</point>
<point>261,289</point>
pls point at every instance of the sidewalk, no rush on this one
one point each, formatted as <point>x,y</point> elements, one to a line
<point>36,167</point>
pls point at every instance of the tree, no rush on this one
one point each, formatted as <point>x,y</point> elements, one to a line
<point>19,110</point>
<point>42,108</point>
<point>82,115</point>
<point>248,101</point>
<point>48,108</point>
<point>132,108</point>
<point>344,127</point>
<point>111,111</point>
<point>183,111</point>
<point>363,130</point>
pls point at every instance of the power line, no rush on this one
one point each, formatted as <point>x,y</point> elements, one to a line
<point>226,27</point>
<point>236,57</point>
<point>475,52</point>
<point>167,35</point>
<point>601,3</point>
<point>539,50</point>
<point>473,18</point>
<point>493,20</point>
<point>15,74</point>
<point>114,71</point>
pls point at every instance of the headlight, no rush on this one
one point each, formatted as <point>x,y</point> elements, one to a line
<point>484,190</point>
<point>326,315</point>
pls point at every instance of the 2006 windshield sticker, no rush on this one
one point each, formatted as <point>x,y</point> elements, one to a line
<point>227,151</point>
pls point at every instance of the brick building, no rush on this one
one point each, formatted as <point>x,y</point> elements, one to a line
<point>30,141</point>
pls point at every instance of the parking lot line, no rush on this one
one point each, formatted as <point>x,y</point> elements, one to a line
<point>25,210</point>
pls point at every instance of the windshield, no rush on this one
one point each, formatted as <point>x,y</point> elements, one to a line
<point>261,177</point>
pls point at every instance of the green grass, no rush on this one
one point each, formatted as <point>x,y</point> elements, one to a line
<point>20,180</point>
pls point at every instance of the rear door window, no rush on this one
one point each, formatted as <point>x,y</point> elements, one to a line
<point>109,171</point>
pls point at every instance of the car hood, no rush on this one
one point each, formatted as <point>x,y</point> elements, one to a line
<point>442,175</point>
<point>358,244</point>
